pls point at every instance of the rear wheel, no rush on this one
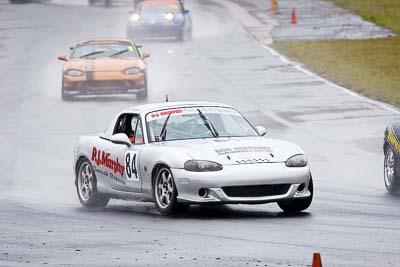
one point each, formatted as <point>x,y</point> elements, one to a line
<point>86,186</point>
<point>165,193</point>
<point>392,181</point>
<point>297,205</point>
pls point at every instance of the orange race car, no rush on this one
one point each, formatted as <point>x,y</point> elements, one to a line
<point>104,66</point>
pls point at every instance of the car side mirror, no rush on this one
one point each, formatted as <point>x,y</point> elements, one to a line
<point>121,139</point>
<point>145,55</point>
<point>186,11</point>
<point>62,58</point>
<point>261,130</point>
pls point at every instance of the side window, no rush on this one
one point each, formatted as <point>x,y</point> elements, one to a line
<point>130,125</point>
<point>120,126</point>
<point>134,123</point>
<point>139,133</point>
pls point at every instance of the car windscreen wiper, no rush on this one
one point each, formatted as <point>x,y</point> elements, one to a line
<point>208,124</point>
<point>163,133</point>
<point>92,53</point>
<point>119,53</point>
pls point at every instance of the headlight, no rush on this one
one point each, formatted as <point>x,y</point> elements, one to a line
<point>135,17</point>
<point>169,16</point>
<point>297,161</point>
<point>131,71</point>
<point>75,73</point>
<point>202,166</point>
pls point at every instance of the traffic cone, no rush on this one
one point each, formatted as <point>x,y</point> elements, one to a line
<point>294,17</point>
<point>317,260</point>
<point>273,6</point>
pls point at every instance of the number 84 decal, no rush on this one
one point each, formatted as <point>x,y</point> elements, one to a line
<point>131,165</point>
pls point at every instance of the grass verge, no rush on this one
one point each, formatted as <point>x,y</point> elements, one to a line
<point>371,67</point>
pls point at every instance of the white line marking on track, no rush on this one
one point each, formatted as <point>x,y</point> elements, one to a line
<point>385,106</point>
<point>244,19</point>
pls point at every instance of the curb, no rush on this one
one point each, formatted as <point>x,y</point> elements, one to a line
<point>261,33</point>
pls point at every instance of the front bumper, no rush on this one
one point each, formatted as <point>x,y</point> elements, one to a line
<point>104,84</point>
<point>241,177</point>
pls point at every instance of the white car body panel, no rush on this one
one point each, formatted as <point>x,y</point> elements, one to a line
<point>246,161</point>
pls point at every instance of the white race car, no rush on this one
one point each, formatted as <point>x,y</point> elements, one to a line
<point>183,153</point>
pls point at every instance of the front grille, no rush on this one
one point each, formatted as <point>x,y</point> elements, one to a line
<point>256,190</point>
<point>89,75</point>
<point>106,85</point>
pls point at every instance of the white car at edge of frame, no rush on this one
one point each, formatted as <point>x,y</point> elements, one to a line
<point>180,153</point>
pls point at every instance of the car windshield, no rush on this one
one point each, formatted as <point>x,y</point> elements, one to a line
<point>100,49</point>
<point>153,9</point>
<point>197,122</point>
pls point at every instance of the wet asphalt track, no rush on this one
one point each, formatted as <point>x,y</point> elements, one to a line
<point>352,222</point>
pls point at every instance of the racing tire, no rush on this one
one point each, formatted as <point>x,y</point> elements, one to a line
<point>92,2</point>
<point>143,94</point>
<point>64,96</point>
<point>86,186</point>
<point>107,3</point>
<point>165,193</point>
<point>298,205</point>
<point>392,181</point>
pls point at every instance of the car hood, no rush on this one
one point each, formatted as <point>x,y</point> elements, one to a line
<point>237,150</point>
<point>104,64</point>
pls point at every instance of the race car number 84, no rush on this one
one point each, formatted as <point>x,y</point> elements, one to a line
<point>131,165</point>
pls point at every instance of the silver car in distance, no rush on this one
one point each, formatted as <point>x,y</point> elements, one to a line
<point>182,153</point>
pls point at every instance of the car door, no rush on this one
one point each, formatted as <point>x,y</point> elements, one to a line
<point>100,159</point>
<point>129,180</point>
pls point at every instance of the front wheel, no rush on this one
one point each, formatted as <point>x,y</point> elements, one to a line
<point>143,94</point>
<point>297,205</point>
<point>165,193</point>
<point>64,96</point>
<point>86,186</point>
<point>392,181</point>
